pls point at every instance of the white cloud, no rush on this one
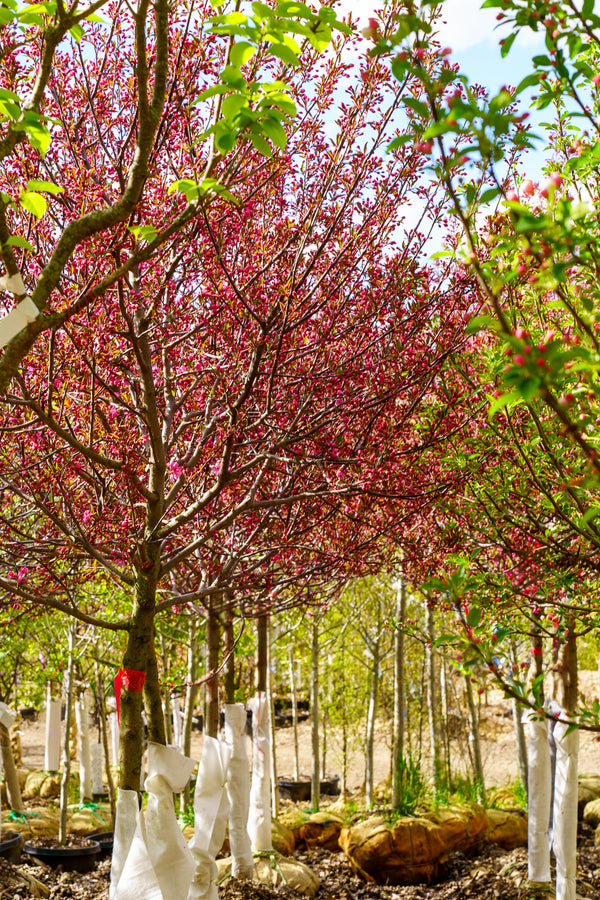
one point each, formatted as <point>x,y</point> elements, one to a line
<point>466,24</point>
<point>463,23</point>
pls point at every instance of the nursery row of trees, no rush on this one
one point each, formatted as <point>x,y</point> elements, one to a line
<point>234,380</point>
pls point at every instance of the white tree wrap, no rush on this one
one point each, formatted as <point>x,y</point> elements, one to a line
<point>259,817</point>
<point>540,792</point>
<point>565,810</point>
<point>238,789</point>
<point>211,806</point>
<point>151,859</point>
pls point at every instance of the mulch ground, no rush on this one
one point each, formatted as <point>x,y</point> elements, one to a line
<point>493,874</point>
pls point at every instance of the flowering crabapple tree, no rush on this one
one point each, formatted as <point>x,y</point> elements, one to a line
<point>531,248</point>
<point>242,402</point>
<point>127,75</point>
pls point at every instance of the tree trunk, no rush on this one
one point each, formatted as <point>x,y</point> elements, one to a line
<point>168,712</point>
<point>190,698</point>
<point>432,697</point>
<point>324,706</point>
<point>398,738</point>
<point>517,711</point>
<point>139,655</point>
<point>83,748</point>
<point>101,705</point>
<point>262,651</point>
<point>371,717</point>
<point>152,697</point>
<point>213,637</point>
<point>314,712</point>
<point>66,776</point>
<point>564,835</point>
<point>11,777</point>
<point>228,651</point>
<point>445,706</point>
<point>474,739</point>
<point>294,693</point>
<point>271,703</point>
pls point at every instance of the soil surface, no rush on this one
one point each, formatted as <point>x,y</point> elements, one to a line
<point>494,874</point>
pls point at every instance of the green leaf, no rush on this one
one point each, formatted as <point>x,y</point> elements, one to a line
<point>528,387</point>
<point>225,140</point>
<point>284,53</point>
<point>212,185</point>
<point>231,75</point>
<point>482,323</point>
<point>212,92</point>
<point>76,32</point>
<point>489,195</point>
<point>275,131</point>
<point>474,616</point>
<point>146,233</point>
<point>507,44</point>
<point>528,81</point>
<point>48,186</point>
<point>241,52</point>
<point>399,141</point>
<point>417,106</point>
<point>17,241</point>
<point>233,104</point>
<point>262,10</point>
<point>33,203</point>
<point>504,400</point>
<point>38,134</point>
<point>260,144</point>
<point>10,110</point>
<point>590,514</point>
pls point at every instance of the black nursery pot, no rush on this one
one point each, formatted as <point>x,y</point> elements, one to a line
<point>297,791</point>
<point>105,839</point>
<point>72,859</point>
<point>11,846</point>
<point>301,791</point>
<point>330,787</point>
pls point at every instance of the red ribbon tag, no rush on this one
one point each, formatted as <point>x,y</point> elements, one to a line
<point>131,680</point>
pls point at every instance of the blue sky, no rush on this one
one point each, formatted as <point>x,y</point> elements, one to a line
<point>473,37</point>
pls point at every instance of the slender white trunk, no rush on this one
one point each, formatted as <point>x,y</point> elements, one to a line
<point>314,712</point>
<point>398,740</point>
<point>83,749</point>
<point>168,712</point>
<point>294,692</point>
<point>271,703</point>
<point>474,739</point>
<point>64,786</point>
<point>53,710</point>
<point>190,699</point>
<point>432,697</point>
<point>371,718</point>
<point>564,835</point>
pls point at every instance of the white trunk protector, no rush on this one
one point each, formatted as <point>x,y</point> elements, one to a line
<point>97,757</point>
<point>177,722</point>
<point>238,788</point>
<point>540,791</point>
<point>211,806</point>
<point>259,817</point>
<point>565,810</point>
<point>83,749</point>
<point>151,860</point>
<point>114,737</point>
<point>52,756</point>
